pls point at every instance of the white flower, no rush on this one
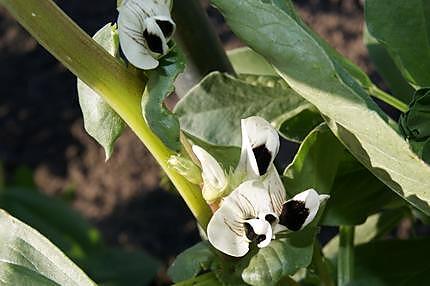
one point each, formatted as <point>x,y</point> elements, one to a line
<point>260,144</point>
<point>299,211</point>
<point>255,211</point>
<point>145,27</point>
<point>245,217</point>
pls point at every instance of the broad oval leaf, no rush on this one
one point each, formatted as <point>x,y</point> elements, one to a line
<point>28,258</point>
<point>403,27</point>
<point>225,100</point>
<point>100,121</point>
<point>160,84</point>
<point>353,117</point>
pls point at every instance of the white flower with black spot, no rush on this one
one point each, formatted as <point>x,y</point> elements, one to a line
<point>260,145</point>
<point>254,213</point>
<point>144,28</point>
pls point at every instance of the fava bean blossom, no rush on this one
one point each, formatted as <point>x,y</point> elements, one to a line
<point>253,206</point>
<point>145,27</point>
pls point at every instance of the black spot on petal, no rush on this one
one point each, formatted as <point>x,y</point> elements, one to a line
<point>293,215</point>
<point>251,235</point>
<point>263,157</point>
<point>249,232</point>
<point>261,238</point>
<point>154,42</point>
<point>270,218</point>
<point>166,27</point>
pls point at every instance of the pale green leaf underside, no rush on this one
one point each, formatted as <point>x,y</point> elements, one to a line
<point>352,115</point>
<point>246,61</point>
<point>27,257</point>
<point>100,121</point>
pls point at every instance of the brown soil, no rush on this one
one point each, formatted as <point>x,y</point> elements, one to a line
<point>41,127</point>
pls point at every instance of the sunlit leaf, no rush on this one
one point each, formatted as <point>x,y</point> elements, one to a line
<point>225,100</point>
<point>246,61</point>
<point>28,258</point>
<point>319,77</point>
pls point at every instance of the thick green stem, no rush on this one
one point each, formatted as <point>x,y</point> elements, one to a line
<point>320,265</point>
<point>389,99</point>
<point>198,39</point>
<point>345,258</point>
<point>121,89</point>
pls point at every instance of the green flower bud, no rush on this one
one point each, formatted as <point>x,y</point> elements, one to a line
<point>186,168</point>
<point>415,124</point>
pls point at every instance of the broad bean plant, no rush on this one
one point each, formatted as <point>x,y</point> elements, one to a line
<point>356,169</point>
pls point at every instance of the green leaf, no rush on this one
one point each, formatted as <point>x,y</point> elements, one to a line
<point>27,256</point>
<point>227,156</point>
<point>354,197</point>
<point>282,257</point>
<point>322,163</point>
<point>100,120</point>
<point>191,262</point>
<point>52,217</point>
<point>120,267</point>
<point>315,164</point>
<point>317,76</point>
<point>225,100</point>
<point>160,84</point>
<point>392,262</point>
<point>375,227</point>
<point>77,238</point>
<point>414,124</point>
<point>393,21</point>
<point>246,61</point>
<point>387,68</point>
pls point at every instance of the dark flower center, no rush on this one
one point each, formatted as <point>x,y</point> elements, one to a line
<point>263,157</point>
<point>166,27</point>
<point>270,218</point>
<point>251,235</point>
<point>293,215</point>
<point>154,42</point>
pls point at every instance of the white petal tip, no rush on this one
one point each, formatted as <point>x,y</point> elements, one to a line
<point>324,198</point>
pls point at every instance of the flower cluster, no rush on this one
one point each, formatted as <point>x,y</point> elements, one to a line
<point>144,28</point>
<point>252,200</point>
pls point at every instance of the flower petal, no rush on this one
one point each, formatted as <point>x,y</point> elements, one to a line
<point>144,27</point>
<point>300,210</point>
<point>260,144</point>
<point>276,190</point>
<point>259,231</point>
<point>133,44</point>
<point>226,229</point>
<point>214,179</point>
